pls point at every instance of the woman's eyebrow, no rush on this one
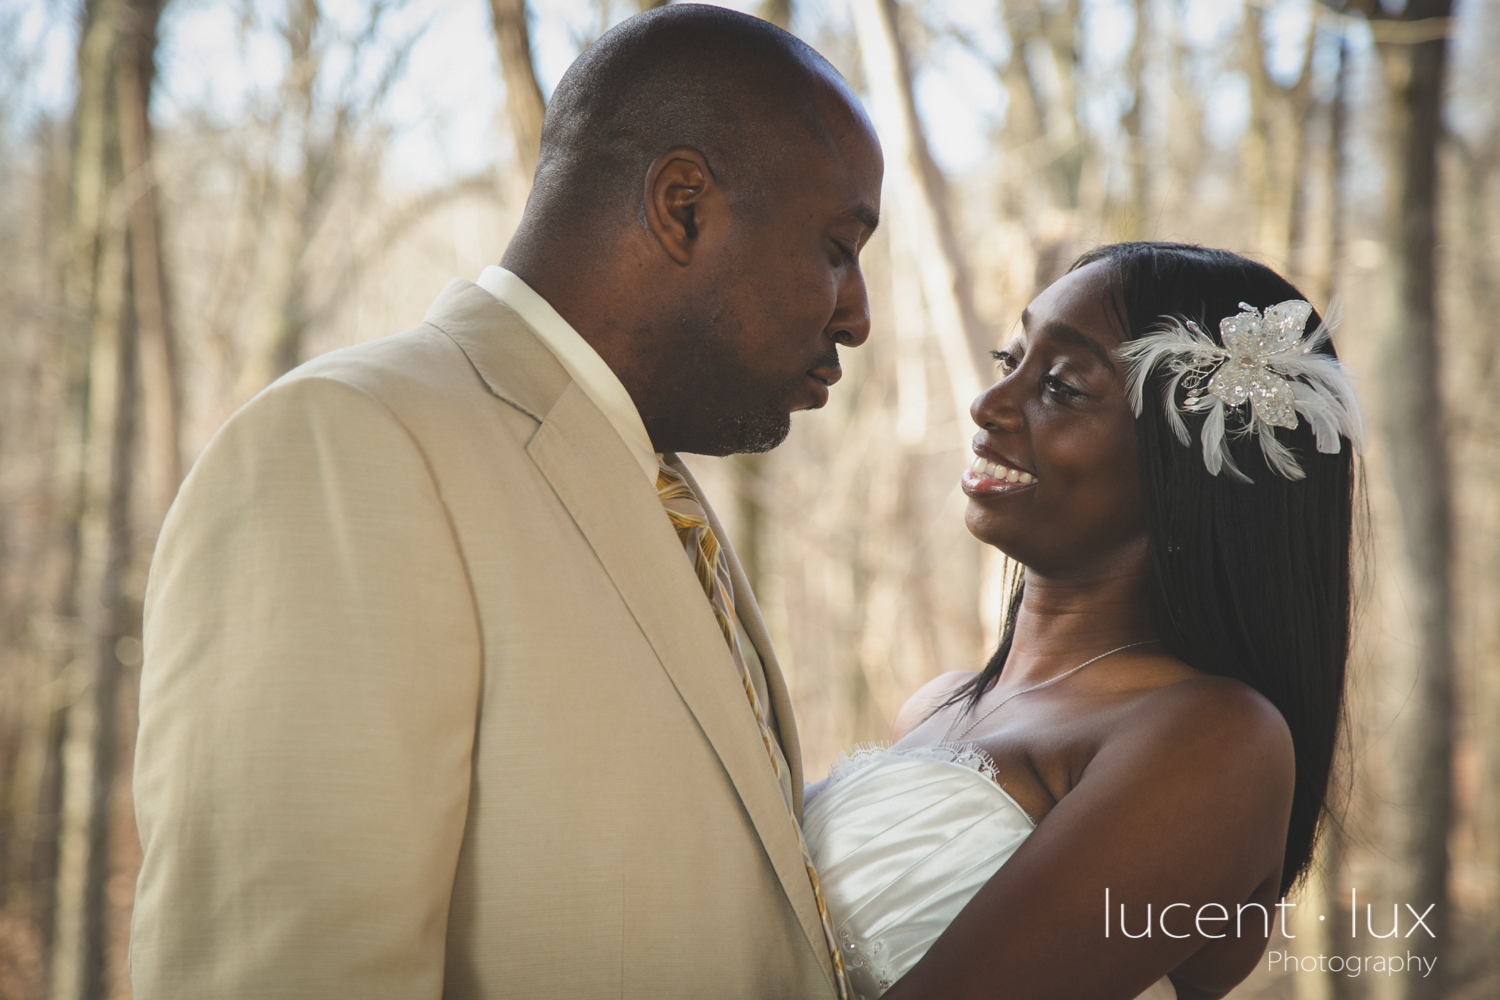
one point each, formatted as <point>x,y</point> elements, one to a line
<point>1078,338</point>
<point>1072,335</point>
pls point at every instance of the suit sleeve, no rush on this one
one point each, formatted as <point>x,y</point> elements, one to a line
<point>308,704</point>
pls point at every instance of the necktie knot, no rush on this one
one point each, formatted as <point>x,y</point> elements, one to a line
<point>677,498</point>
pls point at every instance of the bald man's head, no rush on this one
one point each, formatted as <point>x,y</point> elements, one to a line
<point>747,95</point>
<point>705,186</point>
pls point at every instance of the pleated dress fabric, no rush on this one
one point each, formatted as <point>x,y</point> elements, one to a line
<point>902,840</point>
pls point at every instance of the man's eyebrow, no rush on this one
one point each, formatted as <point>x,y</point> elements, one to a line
<point>867,215</point>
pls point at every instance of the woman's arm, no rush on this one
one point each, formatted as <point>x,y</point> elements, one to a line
<point>1184,810</point>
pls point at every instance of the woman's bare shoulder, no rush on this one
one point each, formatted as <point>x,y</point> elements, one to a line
<point>1208,700</point>
<point>1212,726</point>
<point>927,699</point>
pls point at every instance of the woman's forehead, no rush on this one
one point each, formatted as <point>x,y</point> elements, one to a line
<point>1080,304</point>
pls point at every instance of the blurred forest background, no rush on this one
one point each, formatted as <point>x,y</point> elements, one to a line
<point>197,195</point>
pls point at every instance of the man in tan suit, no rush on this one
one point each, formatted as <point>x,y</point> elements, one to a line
<point>433,703</point>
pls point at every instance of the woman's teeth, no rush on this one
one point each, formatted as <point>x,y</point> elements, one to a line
<point>993,470</point>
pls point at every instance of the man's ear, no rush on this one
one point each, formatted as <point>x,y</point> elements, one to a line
<point>680,192</point>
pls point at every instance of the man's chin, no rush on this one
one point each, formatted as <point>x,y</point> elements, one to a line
<point>745,434</point>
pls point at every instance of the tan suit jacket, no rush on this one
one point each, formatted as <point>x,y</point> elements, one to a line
<point>434,706</point>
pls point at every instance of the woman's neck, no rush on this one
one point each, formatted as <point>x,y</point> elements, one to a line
<point>1064,621</point>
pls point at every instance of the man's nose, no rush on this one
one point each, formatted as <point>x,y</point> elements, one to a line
<point>851,317</point>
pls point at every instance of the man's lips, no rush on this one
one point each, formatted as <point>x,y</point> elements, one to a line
<point>819,390</point>
<point>822,375</point>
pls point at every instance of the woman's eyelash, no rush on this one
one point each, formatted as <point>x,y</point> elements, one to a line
<point>1058,385</point>
<point>1008,363</point>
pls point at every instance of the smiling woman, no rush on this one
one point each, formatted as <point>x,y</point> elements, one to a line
<point>1179,637</point>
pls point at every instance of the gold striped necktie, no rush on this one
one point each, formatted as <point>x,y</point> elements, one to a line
<point>707,557</point>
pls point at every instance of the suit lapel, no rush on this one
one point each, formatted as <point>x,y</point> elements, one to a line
<point>748,611</point>
<point>598,480</point>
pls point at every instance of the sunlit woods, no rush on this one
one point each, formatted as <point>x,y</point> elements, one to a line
<point>157,269</point>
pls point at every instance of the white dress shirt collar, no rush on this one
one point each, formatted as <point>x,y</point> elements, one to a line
<point>597,380</point>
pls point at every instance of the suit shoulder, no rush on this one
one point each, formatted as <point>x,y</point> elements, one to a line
<point>421,359</point>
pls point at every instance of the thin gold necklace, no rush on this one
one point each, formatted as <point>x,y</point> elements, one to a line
<point>1037,687</point>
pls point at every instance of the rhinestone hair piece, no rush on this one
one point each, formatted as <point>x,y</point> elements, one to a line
<point>1265,362</point>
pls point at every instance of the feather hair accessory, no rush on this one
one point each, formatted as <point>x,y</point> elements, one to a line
<point>1265,362</point>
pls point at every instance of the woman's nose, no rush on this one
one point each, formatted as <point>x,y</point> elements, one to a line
<point>994,407</point>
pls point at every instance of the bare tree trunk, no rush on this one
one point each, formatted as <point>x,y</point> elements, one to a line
<point>1479,257</point>
<point>78,971</point>
<point>299,204</point>
<point>162,388</point>
<point>1060,22</point>
<point>103,341</point>
<point>921,203</point>
<point>524,104</point>
<point>1421,796</point>
<point>47,823</point>
<point>1278,124</point>
<point>1482,456</point>
<point>1133,226</point>
<point>1298,102</point>
<point>1323,882</point>
<point>90,181</point>
<point>1338,174</point>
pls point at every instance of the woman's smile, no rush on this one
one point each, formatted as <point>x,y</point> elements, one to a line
<point>986,477</point>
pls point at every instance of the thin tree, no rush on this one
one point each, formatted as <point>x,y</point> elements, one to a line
<point>1414,55</point>
<point>1338,172</point>
<point>524,104</point>
<point>1134,120</point>
<point>1275,145</point>
<point>102,334</point>
<point>161,377</point>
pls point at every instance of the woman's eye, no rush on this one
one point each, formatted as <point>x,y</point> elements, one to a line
<point>1058,387</point>
<point>1005,361</point>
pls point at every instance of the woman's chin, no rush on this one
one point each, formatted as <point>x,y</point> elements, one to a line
<point>993,529</point>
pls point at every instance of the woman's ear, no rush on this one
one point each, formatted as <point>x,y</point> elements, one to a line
<point>681,198</point>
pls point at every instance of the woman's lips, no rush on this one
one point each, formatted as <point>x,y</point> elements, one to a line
<point>986,478</point>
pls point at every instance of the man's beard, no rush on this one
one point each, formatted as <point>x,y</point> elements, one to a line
<point>749,433</point>
<point>753,426</point>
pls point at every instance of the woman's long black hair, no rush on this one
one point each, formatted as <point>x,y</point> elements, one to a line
<point>1248,580</point>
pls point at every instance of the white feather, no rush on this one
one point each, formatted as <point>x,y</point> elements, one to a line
<point>1277,455</point>
<point>1174,415</point>
<point>1215,448</point>
<point>1322,411</point>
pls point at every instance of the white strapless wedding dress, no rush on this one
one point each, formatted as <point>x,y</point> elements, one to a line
<point>902,840</point>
